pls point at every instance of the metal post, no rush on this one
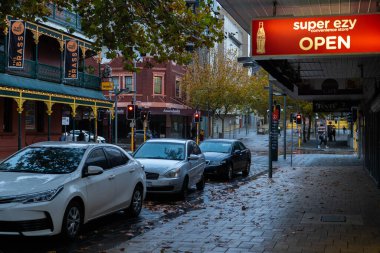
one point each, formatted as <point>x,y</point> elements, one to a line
<point>49,124</point>
<point>284,127</point>
<point>291,149</point>
<point>197,132</point>
<point>116,126</point>
<point>19,131</point>
<point>270,129</point>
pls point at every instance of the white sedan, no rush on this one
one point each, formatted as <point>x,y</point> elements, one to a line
<point>87,136</point>
<point>172,165</point>
<point>53,187</point>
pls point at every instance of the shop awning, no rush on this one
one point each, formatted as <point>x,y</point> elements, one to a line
<point>34,89</point>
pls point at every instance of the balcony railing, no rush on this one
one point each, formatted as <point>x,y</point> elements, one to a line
<point>50,73</point>
<point>64,17</point>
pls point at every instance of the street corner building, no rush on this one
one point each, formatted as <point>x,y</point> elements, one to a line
<point>47,75</point>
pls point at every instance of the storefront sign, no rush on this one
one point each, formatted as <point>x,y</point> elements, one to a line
<point>321,35</point>
<point>172,111</point>
<point>71,59</point>
<point>16,44</point>
<point>334,106</point>
<point>107,86</point>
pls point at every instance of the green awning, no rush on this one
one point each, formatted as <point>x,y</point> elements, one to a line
<point>54,89</point>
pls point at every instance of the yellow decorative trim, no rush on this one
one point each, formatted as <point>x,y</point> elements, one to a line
<point>6,29</point>
<point>95,110</point>
<point>83,50</point>
<point>112,113</point>
<point>74,109</point>
<point>99,58</point>
<point>49,105</point>
<point>20,103</point>
<point>36,36</point>
<point>61,44</point>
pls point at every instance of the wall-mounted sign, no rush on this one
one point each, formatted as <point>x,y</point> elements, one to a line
<point>107,86</point>
<point>65,121</point>
<point>71,59</point>
<point>334,106</point>
<point>321,35</point>
<point>16,44</point>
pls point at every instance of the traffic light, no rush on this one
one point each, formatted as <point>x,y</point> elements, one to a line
<point>197,117</point>
<point>148,117</point>
<point>131,111</point>
<point>298,119</point>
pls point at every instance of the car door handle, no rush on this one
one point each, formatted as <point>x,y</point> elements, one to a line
<point>111,177</point>
<point>132,170</point>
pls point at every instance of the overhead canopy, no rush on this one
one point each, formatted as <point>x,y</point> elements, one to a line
<point>352,76</point>
<point>33,89</point>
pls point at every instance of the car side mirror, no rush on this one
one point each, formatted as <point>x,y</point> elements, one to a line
<point>94,170</point>
<point>193,157</point>
<point>237,152</point>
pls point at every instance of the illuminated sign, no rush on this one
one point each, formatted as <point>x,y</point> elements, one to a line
<point>321,35</point>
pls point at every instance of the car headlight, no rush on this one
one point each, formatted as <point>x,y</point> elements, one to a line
<point>39,196</point>
<point>174,173</point>
<point>218,162</point>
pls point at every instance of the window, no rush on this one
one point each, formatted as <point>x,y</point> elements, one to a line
<point>177,89</point>
<point>128,83</point>
<point>97,158</point>
<point>157,85</point>
<point>40,116</point>
<point>7,116</point>
<point>115,157</point>
<point>115,80</point>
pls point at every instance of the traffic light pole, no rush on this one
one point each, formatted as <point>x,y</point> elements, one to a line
<point>197,132</point>
<point>270,129</point>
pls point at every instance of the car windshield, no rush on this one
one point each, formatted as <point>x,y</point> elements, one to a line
<point>46,160</point>
<point>161,150</point>
<point>213,146</point>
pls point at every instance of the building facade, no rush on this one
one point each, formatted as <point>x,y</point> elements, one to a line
<point>35,95</point>
<point>158,91</point>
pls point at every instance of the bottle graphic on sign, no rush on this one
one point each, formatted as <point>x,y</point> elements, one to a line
<point>260,39</point>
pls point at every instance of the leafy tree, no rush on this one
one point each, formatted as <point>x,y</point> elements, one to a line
<point>217,83</point>
<point>162,28</point>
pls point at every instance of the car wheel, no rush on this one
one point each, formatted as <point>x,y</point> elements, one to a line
<point>72,220</point>
<point>229,172</point>
<point>201,184</point>
<point>245,172</point>
<point>135,207</point>
<point>185,188</point>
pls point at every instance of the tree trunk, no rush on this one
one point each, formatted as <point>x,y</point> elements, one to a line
<point>308,131</point>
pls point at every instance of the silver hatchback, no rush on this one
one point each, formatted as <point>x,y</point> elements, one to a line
<point>172,165</point>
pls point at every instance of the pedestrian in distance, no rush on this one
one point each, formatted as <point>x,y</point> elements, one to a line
<point>344,129</point>
<point>333,133</point>
<point>81,136</point>
<point>322,136</point>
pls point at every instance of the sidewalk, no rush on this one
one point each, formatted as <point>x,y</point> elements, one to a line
<point>324,203</point>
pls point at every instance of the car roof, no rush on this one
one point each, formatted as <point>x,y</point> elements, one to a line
<point>168,140</point>
<point>221,140</point>
<point>68,144</point>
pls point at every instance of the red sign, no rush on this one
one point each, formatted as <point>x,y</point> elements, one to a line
<point>321,35</point>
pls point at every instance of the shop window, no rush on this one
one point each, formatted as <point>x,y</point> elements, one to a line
<point>7,116</point>
<point>157,82</point>
<point>30,115</point>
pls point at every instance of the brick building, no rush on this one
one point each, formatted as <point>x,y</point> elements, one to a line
<point>35,96</point>
<point>158,91</point>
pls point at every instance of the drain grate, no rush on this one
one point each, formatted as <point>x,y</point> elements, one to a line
<point>333,218</point>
